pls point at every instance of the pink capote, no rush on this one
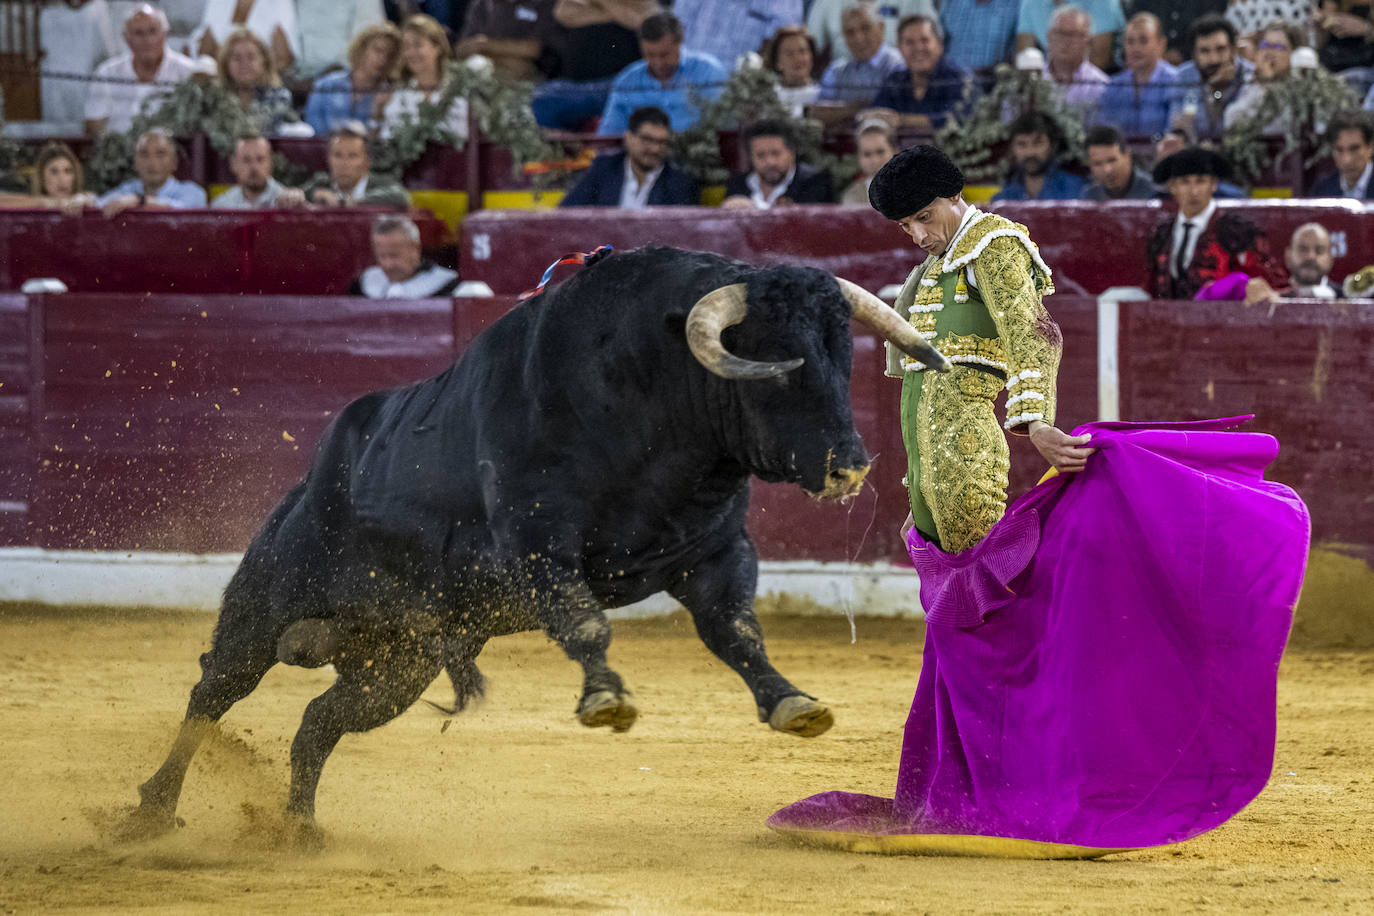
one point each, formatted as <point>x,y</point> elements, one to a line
<point>1101,669</point>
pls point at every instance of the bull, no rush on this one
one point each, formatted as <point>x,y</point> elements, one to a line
<point>590,449</point>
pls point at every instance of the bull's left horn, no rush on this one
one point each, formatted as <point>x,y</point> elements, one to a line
<point>884,319</point>
<point>712,314</point>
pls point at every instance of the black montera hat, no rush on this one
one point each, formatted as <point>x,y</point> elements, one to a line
<point>1195,160</point>
<point>911,180</point>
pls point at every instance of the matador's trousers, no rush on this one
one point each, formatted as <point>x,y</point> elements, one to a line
<point>957,459</point>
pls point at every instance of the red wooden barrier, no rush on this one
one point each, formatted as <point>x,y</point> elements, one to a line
<point>176,422</point>
<point>195,251</point>
<point>1089,245</point>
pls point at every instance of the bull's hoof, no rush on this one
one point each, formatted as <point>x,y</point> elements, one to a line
<point>803,716</point>
<point>605,707</point>
<point>145,822</point>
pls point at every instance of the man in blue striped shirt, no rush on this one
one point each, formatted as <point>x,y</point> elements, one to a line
<point>666,78</point>
<point>1136,100</point>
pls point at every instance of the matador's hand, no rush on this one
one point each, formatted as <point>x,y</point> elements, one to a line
<point>1059,448</point>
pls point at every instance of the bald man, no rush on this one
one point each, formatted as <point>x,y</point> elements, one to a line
<point>1308,258</point>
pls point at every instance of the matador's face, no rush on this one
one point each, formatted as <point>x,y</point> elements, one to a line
<point>932,227</point>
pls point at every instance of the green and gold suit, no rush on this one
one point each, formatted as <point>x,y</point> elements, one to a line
<point>996,332</point>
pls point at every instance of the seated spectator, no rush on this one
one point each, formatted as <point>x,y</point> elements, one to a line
<point>75,37</point>
<point>56,182</point>
<point>325,30</point>
<point>520,37</point>
<point>1351,137</point>
<point>272,21</point>
<point>1308,258</point>
<point>855,79</point>
<point>1033,27</point>
<point>424,53</point>
<point>726,30</point>
<point>155,188</point>
<point>1212,80</point>
<point>1273,65</point>
<point>600,39</point>
<point>1035,145</point>
<point>350,181</point>
<point>401,272</point>
<point>980,34</point>
<point>1344,37</point>
<point>123,83</point>
<point>1176,18</point>
<point>247,72</point>
<point>825,22</point>
<point>1203,250</point>
<point>775,177</point>
<point>255,188</point>
<point>1115,174</point>
<point>667,78</point>
<point>351,94</point>
<point>1176,139</point>
<point>1080,83</point>
<point>640,176</point>
<point>1136,100</point>
<point>877,144</point>
<point>791,54</point>
<point>931,87</point>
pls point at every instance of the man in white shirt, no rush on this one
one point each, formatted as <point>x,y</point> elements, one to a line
<point>401,272</point>
<point>1308,258</point>
<point>825,22</point>
<point>256,189</point>
<point>326,27</point>
<point>123,83</point>
<point>775,177</point>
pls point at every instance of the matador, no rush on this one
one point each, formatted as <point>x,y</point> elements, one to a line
<point>977,298</point>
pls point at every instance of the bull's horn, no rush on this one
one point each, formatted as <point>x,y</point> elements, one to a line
<point>713,313</point>
<point>884,319</point>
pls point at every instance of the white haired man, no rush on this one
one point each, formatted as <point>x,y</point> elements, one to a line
<point>401,271</point>
<point>122,84</point>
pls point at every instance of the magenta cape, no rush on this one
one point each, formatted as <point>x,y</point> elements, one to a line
<point>1100,671</point>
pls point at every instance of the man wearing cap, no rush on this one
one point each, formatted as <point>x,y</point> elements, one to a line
<point>1203,252</point>
<point>977,297</point>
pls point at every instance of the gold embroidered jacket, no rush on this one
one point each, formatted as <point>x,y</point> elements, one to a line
<point>997,322</point>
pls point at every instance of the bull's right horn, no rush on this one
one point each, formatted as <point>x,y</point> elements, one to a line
<point>884,319</point>
<point>712,314</point>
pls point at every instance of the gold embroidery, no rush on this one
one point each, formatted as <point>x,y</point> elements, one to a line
<point>964,459</point>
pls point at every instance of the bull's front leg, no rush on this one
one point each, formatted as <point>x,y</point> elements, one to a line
<point>572,617</point>
<point>719,594</point>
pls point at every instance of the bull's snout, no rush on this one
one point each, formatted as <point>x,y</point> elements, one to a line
<point>843,482</point>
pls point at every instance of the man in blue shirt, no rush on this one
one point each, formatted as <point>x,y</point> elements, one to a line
<point>982,33</point>
<point>155,159</point>
<point>1211,80</point>
<point>857,79</point>
<point>726,29</point>
<point>931,87</point>
<point>1035,141</point>
<point>666,78</point>
<point>1136,100</point>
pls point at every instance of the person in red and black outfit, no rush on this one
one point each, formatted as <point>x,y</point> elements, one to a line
<point>1204,252</point>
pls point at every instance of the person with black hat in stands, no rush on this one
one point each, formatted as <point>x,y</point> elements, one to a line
<point>1204,252</point>
<point>977,298</point>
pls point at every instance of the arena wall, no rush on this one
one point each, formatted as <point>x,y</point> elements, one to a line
<point>166,426</point>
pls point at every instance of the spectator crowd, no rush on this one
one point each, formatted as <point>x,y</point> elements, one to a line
<point>1156,76</point>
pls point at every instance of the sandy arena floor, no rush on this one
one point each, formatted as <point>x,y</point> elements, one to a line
<point>516,808</point>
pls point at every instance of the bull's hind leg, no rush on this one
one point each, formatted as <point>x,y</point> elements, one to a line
<point>719,594</point>
<point>380,676</point>
<point>230,671</point>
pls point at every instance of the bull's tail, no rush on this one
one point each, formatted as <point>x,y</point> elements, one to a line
<point>469,685</point>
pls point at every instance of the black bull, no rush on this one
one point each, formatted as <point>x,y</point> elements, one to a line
<point>580,456</point>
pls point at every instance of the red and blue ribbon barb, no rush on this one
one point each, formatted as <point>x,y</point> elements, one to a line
<point>580,257</point>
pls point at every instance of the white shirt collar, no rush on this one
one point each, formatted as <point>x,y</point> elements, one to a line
<point>358,191</point>
<point>766,201</point>
<point>1361,185</point>
<point>634,194</point>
